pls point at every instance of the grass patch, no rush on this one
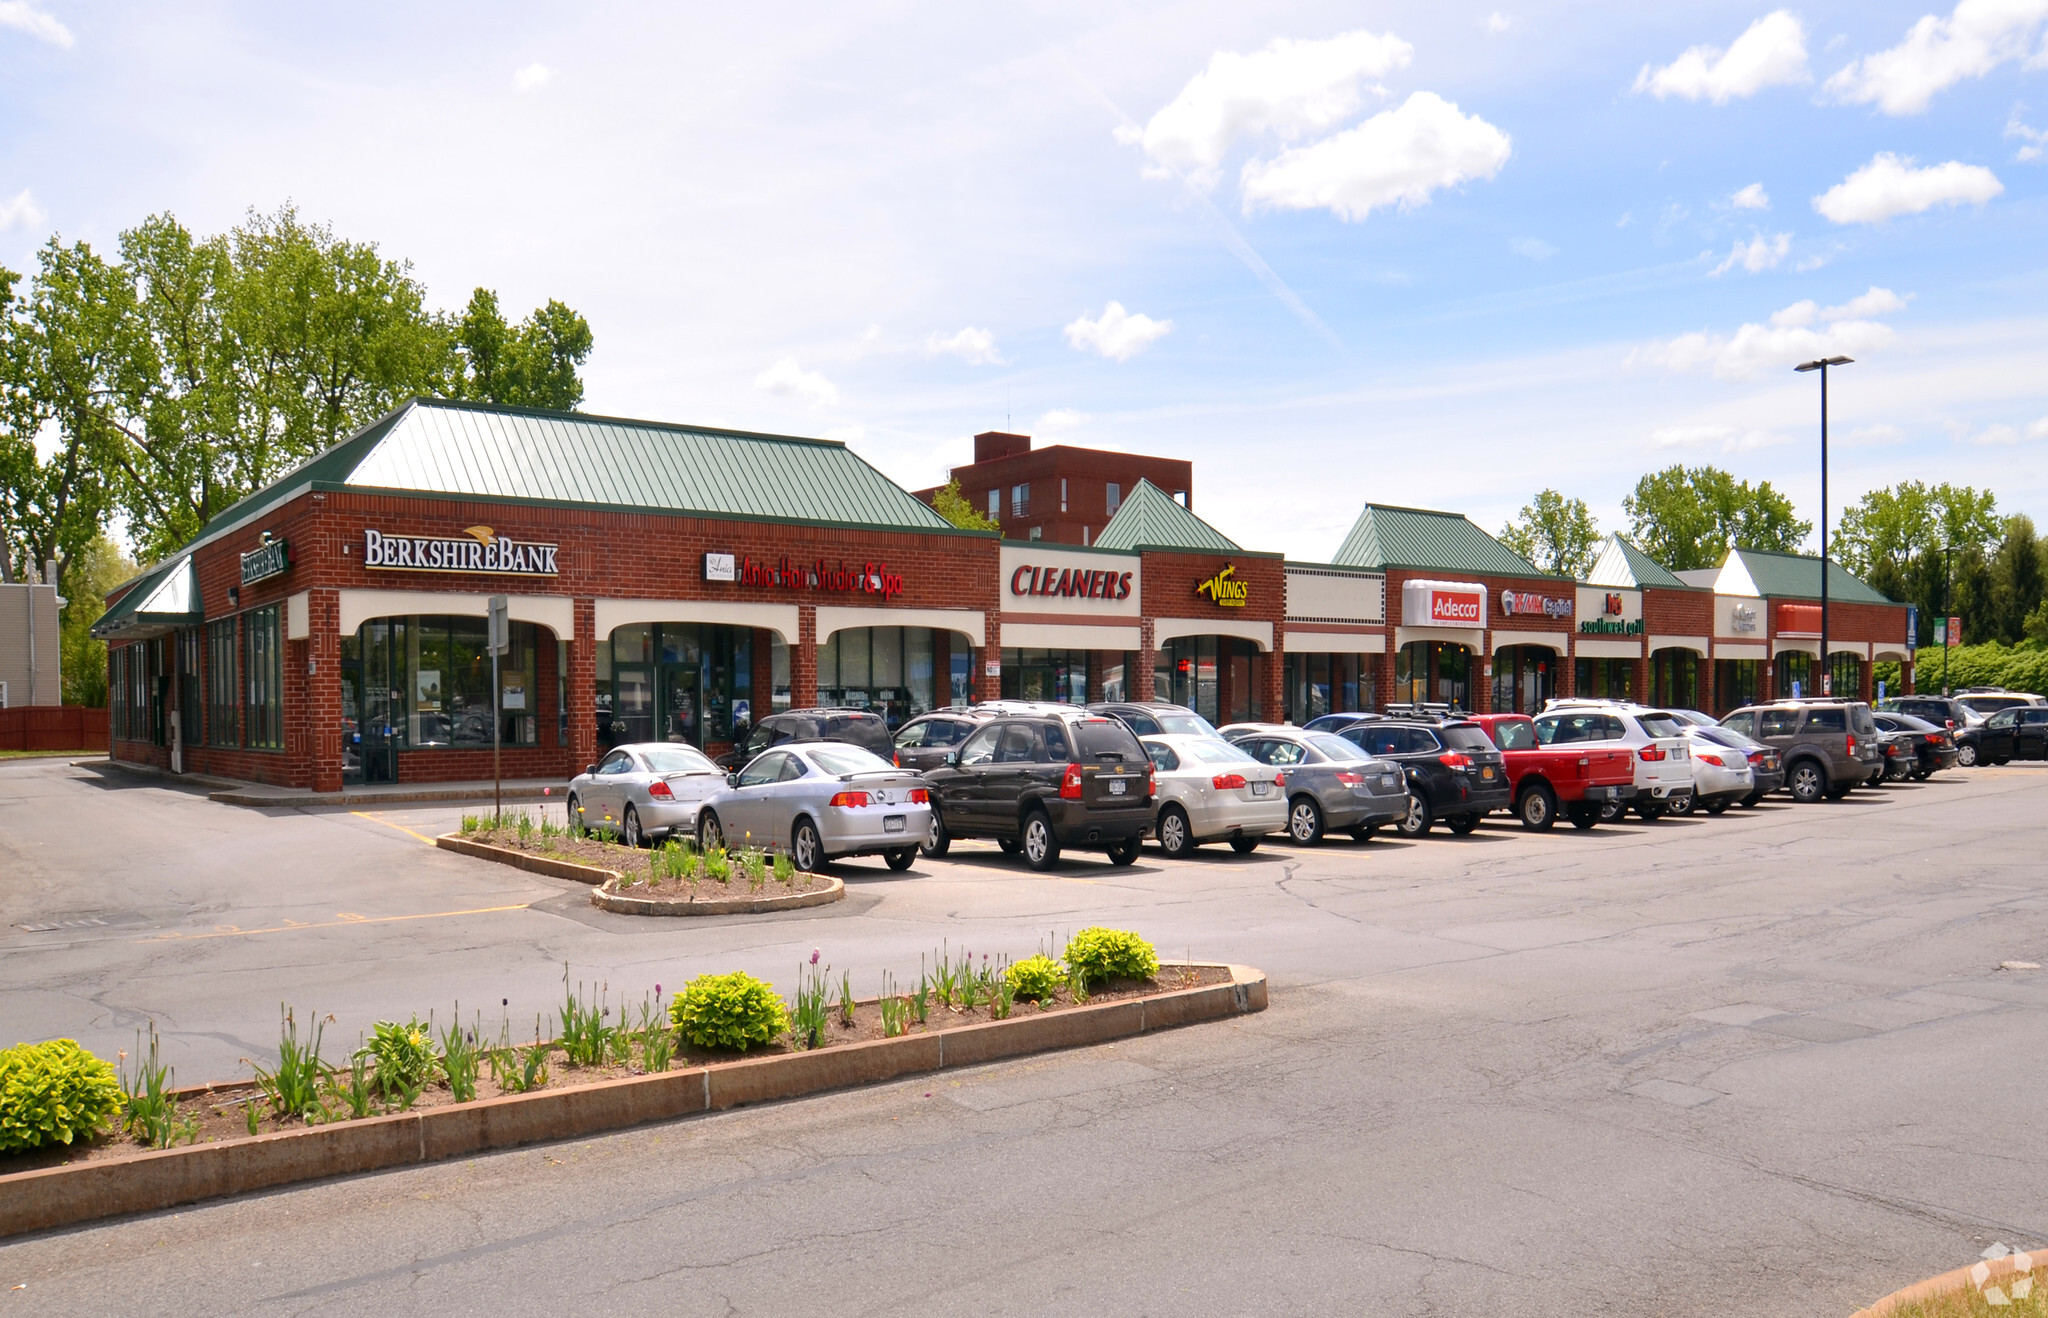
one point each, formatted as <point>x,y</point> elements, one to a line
<point>48,755</point>
<point>2015,1297</point>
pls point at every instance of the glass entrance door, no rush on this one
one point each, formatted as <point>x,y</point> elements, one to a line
<point>633,704</point>
<point>680,712</point>
<point>381,675</point>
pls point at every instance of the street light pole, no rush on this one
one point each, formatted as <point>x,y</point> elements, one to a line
<point>1946,605</point>
<point>1827,685</point>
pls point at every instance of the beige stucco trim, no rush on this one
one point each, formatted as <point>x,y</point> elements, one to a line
<point>555,612</point>
<point>1781,645</point>
<point>1307,642</point>
<point>1167,629</point>
<point>298,616</point>
<point>1607,647</point>
<point>1558,641</point>
<point>1741,650</point>
<point>1069,636</point>
<point>1698,644</point>
<point>838,618</point>
<point>1472,638</point>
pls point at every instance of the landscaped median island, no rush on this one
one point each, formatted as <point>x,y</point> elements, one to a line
<point>81,1138</point>
<point>2004,1281</point>
<point>673,878</point>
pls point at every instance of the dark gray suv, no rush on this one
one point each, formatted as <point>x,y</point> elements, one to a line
<point>1830,747</point>
<point>1039,783</point>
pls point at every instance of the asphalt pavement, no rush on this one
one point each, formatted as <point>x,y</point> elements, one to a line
<point>1762,1064</point>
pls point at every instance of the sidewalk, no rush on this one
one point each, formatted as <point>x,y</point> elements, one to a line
<point>229,791</point>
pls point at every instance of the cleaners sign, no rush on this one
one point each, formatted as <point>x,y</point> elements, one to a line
<point>482,551</point>
<point>1046,581</point>
<point>1443,604</point>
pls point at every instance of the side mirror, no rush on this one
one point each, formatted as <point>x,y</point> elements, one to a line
<point>732,780</point>
<point>952,759</point>
<point>590,768</point>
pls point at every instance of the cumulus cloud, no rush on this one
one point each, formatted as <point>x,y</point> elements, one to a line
<point>533,77</point>
<point>1889,185</point>
<point>2033,141</point>
<point>25,17</point>
<point>1880,436</point>
<point>976,347</point>
<point>1976,37</point>
<point>1759,253</point>
<point>1289,88</point>
<point>1117,334</point>
<point>786,379</point>
<point>1397,156</point>
<point>1751,198</point>
<point>1771,52</point>
<point>1728,439</point>
<point>2039,430</point>
<point>1497,22</point>
<point>1794,334</point>
<point>21,209</point>
<point>1533,248</point>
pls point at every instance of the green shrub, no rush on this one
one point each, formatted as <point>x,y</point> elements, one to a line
<point>53,1093</point>
<point>1099,954</point>
<point>1034,978</point>
<point>407,1059</point>
<point>733,1011</point>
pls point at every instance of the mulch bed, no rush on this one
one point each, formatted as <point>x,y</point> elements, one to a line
<point>635,867</point>
<point>222,1110</point>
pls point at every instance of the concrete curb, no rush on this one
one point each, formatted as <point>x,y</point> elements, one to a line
<point>1948,1283</point>
<point>526,860</point>
<point>55,1197</point>
<point>607,896</point>
<point>241,794</point>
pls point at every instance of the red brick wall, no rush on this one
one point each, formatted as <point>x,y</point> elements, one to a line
<point>1169,592</point>
<point>1087,473</point>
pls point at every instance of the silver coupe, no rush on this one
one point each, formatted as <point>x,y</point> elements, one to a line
<point>644,791</point>
<point>817,802</point>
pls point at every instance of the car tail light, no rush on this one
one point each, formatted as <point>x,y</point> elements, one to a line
<point>1757,757</point>
<point>920,796</point>
<point>1070,783</point>
<point>1351,779</point>
<point>1232,782</point>
<point>1651,753</point>
<point>848,800</point>
<point>1714,760</point>
<point>659,791</point>
<point>896,758</point>
<point>1151,783</point>
<point>1279,780</point>
<point>1455,760</point>
<point>1852,743</point>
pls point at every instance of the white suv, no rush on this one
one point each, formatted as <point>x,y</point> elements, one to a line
<point>1663,758</point>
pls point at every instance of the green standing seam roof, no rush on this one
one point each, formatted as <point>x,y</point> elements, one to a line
<point>1622,564</point>
<point>165,597</point>
<point>1386,536</point>
<point>1150,518</point>
<point>1797,576</point>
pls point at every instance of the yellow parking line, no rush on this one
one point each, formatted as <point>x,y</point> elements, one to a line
<point>290,926</point>
<point>364,814</point>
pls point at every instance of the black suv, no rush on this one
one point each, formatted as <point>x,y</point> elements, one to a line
<point>1455,772</point>
<point>856,727</point>
<point>1149,718</point>
<point>1963,724</point>
<point>1041,782</point>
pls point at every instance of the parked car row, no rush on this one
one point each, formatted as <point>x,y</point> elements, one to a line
<point>1040,779</point>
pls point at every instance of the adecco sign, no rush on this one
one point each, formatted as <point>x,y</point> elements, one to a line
<point>1443,604</point>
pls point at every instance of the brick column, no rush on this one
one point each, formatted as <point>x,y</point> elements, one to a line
<point>322,738</point>
<point>1641,679</point>
<point>1565,681</point>
<point>1481,672</point>
<point>764,673</point>
<point>1139,684</point>
<point>1383,676</point>
<point>583,687</point>
<point>1095,667</point>
<point>1271,682</point>
<point>803,659</point>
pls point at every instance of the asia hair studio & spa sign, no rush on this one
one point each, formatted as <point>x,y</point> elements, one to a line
<point>478,550</point>
<point>789,574</point>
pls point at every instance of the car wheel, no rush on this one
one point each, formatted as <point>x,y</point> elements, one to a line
<point>1418,819</point>
<point>1305,821</point>
<point>1611,811</point>
<point>1806,782</point>
<point>1245,846</point>
<point>1538,808</point>
<point>1583,814</point>
<point>2002,761</point>
<point>806,848</point>
<point>1680,805</point>
<point>940,841</point>
<point>1041,848</point>
<point>1365,832</point>
<point>899,859</point>
<point>1836,792</point>
<point>1123,853</point>
<point>1176,835</point>
<point>1922,775</point>
<point>1010,846</point>
<point>1749,802</point>
<point>1718,808</point>
<point>629,828</point>
<point>1650,812</point>
<point>1463,824</point>
<point>1966,756</point>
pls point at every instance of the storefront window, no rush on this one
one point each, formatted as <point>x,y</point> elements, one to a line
<point>1434,672</point>
<point>221,668</point>
<point>1737,682</point>
<point>778,671</point>
<point>675,681</point>
<point>190,645</point>
<point>1055,675</point>
<point>1605,679</point>
<point>886,669</point>
<point>1216,676</point>
<point>1846,672</point>
<point>1524,676</point>
<point>1795,666</point>
<point>1318,684</point>
<point>1675,679</point>
<point>264,669</point>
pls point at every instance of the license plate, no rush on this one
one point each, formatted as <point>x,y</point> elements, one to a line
<point>1260,789</point>
<point>892,823</point>
<point>1117,786</point>
<point>1486,772</point>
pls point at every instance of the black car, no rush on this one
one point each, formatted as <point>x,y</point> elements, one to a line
<point>1455,772</point>
<point>1339,722</point>
<point>1928,748</point>
<point>925,741</point>
<point>1043,782</point>
<point>1949,714</point>
<point>2019,733</point>
<point>856,727</point>
<point>1149,718</point>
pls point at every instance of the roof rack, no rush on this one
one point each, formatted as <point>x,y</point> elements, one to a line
<point>1026,707</point>
<point>1430,710</point>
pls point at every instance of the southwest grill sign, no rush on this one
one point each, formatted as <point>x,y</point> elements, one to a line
<point>478,549</point>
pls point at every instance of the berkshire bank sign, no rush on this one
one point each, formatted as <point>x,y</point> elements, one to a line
<point>477,549</point>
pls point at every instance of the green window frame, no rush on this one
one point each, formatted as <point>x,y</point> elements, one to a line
<point>221,698</point>
<point>263,664</point>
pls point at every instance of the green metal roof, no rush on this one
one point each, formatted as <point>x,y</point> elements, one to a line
<point>474,450</point>
<point>1797,576</point>
<point>1150,518</point>
<point>161,599</point>
<point>1385,536</point>
<point>1622,564</point>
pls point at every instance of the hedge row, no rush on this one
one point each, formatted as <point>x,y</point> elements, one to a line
<point>2022,667</point>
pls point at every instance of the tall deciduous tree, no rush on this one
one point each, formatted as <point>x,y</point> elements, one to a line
<point>531,364</point>
<point>2015,578</point>
<point>1555,533</point>
<point>948,502</point>
<point>1688,517</point>
<point>1894,538</point>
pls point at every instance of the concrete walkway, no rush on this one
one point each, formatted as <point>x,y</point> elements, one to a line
<point>232,791</point>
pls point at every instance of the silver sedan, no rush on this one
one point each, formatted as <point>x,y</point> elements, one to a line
<point>644,791</point>
<point>819,801</point>
<point>1211,791</point>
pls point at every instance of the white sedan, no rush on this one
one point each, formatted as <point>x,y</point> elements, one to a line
<point>1210,791</point>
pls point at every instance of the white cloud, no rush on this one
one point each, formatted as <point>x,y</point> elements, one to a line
<point>1879,436</point>
<point>1497,22</point>
<point>25,17</point>
<point>2034,141</point>
<point>21,209</point>
<point>848,435</point>
<point>1759,253</point>
<point>1787,340</point>
<point>1116,334</point>
<point>789,380</point>
<point>1876,302</point>
<point>976,347</point>
<point>2039,430</point>
<point>1889,185</point>
<point>1994,435</point>
<point>1533,248</point>
<point>1289,88</point>
<point>1726,438</point>
<point>1055,425</point>
<point>533,76</point>
<point>1397,156</point>
<point>1751,198</point>
<point>1977,37</point>
<point>1771,52</point>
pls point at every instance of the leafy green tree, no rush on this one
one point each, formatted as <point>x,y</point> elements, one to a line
<point>1688,517</point>
<point>949,504</point>
<point>2015,579</point>
<point>1555,533</point>
<point>1893,538</point>
<point>95,571</point>
<point>531,364</point>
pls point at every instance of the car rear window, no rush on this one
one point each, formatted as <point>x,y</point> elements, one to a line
<point>842,758</point>
<point>1337,748</point>
<point>1826,720</point>
<point>1514,735</point>
<point>1859,719</point>
<point>1219,752</point>
<point>678,759</point>
<point>1106,739</point>
<point>1470,737</point>
<point>1567,729</point>
<point>1184,722</point>
<point>1659,725</point>
<point>868,731</point>
<point>1163,758</point>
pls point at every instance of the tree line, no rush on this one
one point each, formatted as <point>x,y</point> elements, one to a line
<point>1942,547</point>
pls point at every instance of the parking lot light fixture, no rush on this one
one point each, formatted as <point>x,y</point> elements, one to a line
<point>1827,684</point>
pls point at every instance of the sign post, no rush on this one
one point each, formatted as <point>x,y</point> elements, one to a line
<point>499,641</point>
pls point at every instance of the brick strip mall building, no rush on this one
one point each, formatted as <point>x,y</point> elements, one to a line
<point>671,582</point>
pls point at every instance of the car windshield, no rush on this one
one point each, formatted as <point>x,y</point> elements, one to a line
<point>1720,737</point>
<point>1911,724</point>
<point>1659,725</point>
<point>1219,752</point>
<point>1515,734</point>
<point>1336,748</point>
<point>677,759</point>
<point>847,759</point>
<point>1185,722</point>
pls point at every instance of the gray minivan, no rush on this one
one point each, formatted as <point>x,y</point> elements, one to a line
<point>1830,746</point>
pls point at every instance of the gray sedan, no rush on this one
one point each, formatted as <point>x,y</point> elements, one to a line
<point>644,791</point>
<point>1331,783</point>
<point>819,801</point>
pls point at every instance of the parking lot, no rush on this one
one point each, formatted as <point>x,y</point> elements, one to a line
<point>1762,1063</point>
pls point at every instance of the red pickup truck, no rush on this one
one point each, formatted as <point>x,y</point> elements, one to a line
<point>1540,778</point>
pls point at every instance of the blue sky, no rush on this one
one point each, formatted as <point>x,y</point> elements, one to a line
<point>1426,254</point>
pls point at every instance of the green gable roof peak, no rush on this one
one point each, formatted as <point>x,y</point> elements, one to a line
<point>1150,518</point>
<point>1771,575</point>
<point>1622,564</point>
<point>1386,536</point>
